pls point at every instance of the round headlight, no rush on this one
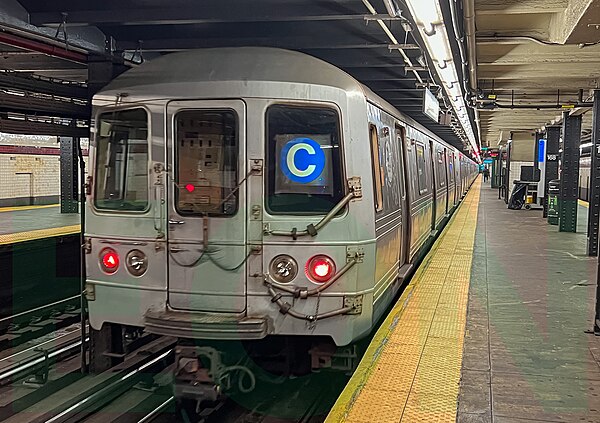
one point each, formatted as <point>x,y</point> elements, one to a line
<point>283,268</point>
<point>137,262</point>
<point>320,268</point>
<point>109,260</point>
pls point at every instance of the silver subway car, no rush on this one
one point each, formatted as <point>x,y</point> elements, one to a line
<point>242,193</point>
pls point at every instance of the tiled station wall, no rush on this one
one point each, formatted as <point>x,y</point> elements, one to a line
<point>29,170</point>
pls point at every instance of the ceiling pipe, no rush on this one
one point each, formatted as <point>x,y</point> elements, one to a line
<point>467,67</point>
<point>491,106</point>
<point>469,17</point>
<point>42,47</point>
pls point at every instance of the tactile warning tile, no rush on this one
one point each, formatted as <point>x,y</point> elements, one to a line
<point>430,408</point>
<point>390,371</point>
<point>411,370</point>
<point>378,406</point>
<point>38,234</point>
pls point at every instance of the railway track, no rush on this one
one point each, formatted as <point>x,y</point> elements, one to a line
<point>140,390</point>
<point>74,397</point>
<point>37,359</point>
<point>37,322</point>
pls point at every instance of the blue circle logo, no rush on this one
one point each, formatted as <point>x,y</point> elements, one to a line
<point>302,160</point>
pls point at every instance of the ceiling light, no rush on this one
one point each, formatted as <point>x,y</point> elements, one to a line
<point>426,13</point>
<point>430,21</point>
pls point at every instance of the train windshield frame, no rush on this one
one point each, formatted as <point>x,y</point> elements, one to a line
<point>304,159</point>
<point>121,165</point>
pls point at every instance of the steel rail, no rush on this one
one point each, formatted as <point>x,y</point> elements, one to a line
<point>154,413</point>
<point>80,407</point>
<point>33,310</point>
<point>28,365</point>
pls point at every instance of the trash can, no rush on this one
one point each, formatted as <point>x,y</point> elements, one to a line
<point>553,191</point>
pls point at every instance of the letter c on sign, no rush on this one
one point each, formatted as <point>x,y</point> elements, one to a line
<point>302,160</point>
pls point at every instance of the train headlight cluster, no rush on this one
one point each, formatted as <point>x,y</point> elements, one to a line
<point>137,262</point>
<point>283,268</point>
<point>109,260</point>
<point>320,268</point>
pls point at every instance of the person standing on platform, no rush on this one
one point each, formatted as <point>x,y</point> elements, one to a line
<point>486,174</point>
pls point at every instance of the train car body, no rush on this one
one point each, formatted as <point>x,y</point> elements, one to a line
<point>242,193</point>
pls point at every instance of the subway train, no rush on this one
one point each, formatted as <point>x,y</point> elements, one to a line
<point>261,196</point>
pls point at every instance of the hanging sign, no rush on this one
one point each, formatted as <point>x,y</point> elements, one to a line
<point>431,105</point>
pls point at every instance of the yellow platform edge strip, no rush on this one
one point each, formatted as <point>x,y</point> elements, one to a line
<point>466,214</point>
<point>20,208</point>
<point>38,234</point>
<point>583,203</point>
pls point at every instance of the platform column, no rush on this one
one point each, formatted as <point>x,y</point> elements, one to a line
<point>552,156</point>
<point>68,175</point>
<point>569,180</point>
<point>594,194</point>
<point>494,173</point>
<point>507,182</point>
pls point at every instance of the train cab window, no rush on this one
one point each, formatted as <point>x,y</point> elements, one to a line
<point>377,171</point>
<point>122,161</point>
<point>304,160</point>
<point>207,160</point>
<point>421,172</point>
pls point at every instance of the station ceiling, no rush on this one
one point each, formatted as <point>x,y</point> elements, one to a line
<point>355,35</point>
<point>533,56</point>
<point>535,53</point>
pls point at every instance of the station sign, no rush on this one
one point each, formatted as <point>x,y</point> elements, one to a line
<point>431,105</point>
<point>541,150</point>
<point>488,161</point>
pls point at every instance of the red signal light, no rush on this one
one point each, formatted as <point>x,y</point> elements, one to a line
<point>109,260</point>
<point>190,188</point>
<point>320,268</point>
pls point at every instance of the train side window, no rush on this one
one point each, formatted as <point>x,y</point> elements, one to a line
<point>421,173</point>
<point>451,167</point>
<point>441,169</point>
<point>377,171</point>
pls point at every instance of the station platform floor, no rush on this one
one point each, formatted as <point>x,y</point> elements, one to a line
<point>491,328</point>
<point>27,223</point>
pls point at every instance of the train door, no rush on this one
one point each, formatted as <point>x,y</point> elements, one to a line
<point>444,167</point>
<point>434,185</point>
<point>206,208</point>
<point>457,179</point>
<point>404,202</point>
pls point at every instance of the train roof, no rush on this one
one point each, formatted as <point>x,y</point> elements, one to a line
<point>236,64</point>
<point>248,64</point>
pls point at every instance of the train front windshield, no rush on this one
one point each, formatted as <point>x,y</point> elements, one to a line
<point>304,160</point>
<point>122,161</point>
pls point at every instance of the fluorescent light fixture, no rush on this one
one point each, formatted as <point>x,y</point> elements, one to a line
<point>439,47</point>
<point>587,144</point>
<point>430,21</point>
<point>426,13</point>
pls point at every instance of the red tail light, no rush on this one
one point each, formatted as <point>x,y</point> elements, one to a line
<point>320,268</point>
<point>109,260</point>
